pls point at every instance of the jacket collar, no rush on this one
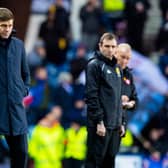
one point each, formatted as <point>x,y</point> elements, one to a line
<point>99,56</point>
<point>127,69</point>
<point>5,42</point>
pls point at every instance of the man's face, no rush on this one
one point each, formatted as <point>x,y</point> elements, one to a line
<point>108,48</point>
<point>6,28</point>
<point>123,57</point>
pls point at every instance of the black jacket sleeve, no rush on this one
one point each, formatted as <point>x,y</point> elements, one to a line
<point>93,79</point>
<point>133,93</point>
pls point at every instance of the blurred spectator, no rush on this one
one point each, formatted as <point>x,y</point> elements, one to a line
<point>38,99</point>
<point>121,32</point>
<point>54,31</point>
<point>127,143</point>
<point>163,63</point>
<point>165,161</point>
<point>37,56</point>
<point>46,145</point>
<point>62,23</point>
<point>156,133</point>
<point>77,64</point>
<point>75,149</point>
<point>162,36</point>
<point>163,4</point>
<point>153,161</point>
<point>54,72</point>
<point>90,15</point>
<point>156,139</point>
<point>113,13</point>
<point>136,15</point>
<point>79,109</point>
<point>61,18</point>
<point>62,96</point>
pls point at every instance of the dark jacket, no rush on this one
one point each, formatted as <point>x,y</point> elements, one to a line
<point>163,5</point>
<point>103,92</point>
<point>131,12</point>
<point>91,20</point>
<point>128,87</point>
<point>14,83</point>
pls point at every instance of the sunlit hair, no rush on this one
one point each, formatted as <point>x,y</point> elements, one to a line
<point>124,45</point>
<point>107,36</point>
<point>6,14</point>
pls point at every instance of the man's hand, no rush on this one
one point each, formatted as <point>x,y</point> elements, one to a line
<point>101,130</point>
<point>122,131</point>
<point>124,98</point>
<point>129,104</point>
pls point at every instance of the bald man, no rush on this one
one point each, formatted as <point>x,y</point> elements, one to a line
<point>129,94</point>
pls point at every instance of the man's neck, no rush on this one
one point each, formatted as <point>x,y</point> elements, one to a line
<point>109,57</point>
<point>4,41</point>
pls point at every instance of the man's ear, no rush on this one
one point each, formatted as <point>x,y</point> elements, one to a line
<point>100,45</point>
<point>116,52</point>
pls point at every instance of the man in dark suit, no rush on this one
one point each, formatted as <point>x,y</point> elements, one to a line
<point>14,83</point>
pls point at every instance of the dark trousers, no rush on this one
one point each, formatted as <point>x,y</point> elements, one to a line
<point>18,149</point>
<point>102,150</point>
<point>72,163</point>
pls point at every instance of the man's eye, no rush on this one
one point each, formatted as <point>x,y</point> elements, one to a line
<point>4,26</point>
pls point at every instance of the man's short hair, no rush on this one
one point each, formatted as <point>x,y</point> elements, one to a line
<point>6,14</point>
<point>107,36</point>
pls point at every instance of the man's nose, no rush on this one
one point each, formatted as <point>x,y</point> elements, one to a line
<point>7,28</point>
<point>111,49</point>
<point>125,61</point>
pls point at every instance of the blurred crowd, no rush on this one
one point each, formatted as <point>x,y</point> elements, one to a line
<point>55,106</point>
